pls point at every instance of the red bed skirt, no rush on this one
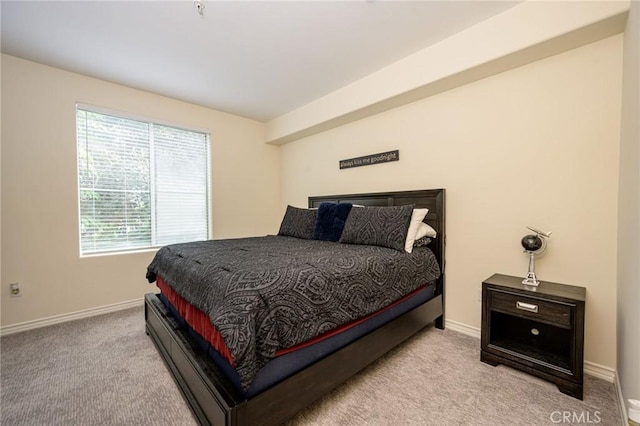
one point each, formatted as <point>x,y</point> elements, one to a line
<point>202,325</point>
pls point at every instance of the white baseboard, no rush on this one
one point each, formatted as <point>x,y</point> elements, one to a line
<point>600,371</point>
<point>57,319</point>
<point>622,406</point>
<point>462,328</point>
<point>590,368</point>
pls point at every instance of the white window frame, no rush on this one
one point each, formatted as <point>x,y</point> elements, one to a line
<point>137,117</point>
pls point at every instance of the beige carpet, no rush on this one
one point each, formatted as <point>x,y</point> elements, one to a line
<point>437,378</point>
<point>106,371</point>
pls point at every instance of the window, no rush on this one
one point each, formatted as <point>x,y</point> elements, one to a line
<point>141,184</point>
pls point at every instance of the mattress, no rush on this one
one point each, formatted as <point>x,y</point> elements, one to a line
<point>290,361</point>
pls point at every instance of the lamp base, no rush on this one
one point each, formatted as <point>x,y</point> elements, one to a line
<point>531,280</point>
<point>531,275</point>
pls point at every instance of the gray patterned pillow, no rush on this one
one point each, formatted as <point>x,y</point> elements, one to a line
<point>378,226</point>
<point>298,223</point>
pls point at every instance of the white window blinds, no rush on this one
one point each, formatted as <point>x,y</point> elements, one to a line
<point>141,184</point>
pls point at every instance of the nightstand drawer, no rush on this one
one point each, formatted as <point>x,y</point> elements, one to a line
<point>532,308</point>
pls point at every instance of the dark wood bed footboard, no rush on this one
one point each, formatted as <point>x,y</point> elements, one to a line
<point>213,399</point>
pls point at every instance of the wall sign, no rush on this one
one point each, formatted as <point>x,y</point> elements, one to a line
<point>368,160</point>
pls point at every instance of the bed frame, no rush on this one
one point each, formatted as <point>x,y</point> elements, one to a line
<point>212,398</point>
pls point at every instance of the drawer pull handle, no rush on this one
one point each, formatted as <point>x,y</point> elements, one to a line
<point>527,307</point>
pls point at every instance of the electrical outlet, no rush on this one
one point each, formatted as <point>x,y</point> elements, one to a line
<point>480,295</point>
<point>16,291</point>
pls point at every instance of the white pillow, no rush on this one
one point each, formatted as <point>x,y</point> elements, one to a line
<point>425,230</point>
<point>416,219</point>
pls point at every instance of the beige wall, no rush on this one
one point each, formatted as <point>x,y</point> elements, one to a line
<point>537,145</point>
<point>39,188</point>
<point>628,319</point>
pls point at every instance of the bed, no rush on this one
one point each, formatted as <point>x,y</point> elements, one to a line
<point>215,397</point>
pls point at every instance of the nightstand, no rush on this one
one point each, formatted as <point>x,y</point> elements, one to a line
<point>539,330</point>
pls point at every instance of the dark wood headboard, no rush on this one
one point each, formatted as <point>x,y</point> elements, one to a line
<point>432,199</point>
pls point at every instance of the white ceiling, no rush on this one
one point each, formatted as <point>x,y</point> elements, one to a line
<point>257,59</point>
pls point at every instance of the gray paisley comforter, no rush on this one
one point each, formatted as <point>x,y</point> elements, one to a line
<point>269,293</point>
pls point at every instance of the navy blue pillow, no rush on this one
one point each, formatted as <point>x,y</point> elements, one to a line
<point>330,221</point>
